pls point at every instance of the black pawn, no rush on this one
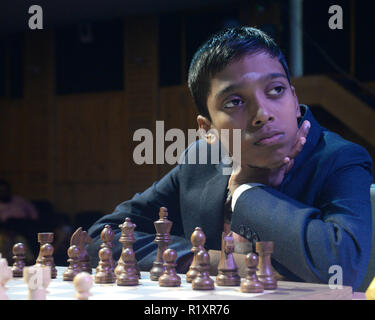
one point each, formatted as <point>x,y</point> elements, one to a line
<point>203,281</point>
<point>169,278</point>
<point>19,259</point>
<point>128,275</point>
<point>251,283</point>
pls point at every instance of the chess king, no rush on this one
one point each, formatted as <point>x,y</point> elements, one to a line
<point>296,183</point>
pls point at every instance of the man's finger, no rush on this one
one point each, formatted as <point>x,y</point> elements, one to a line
<point>301,139</point>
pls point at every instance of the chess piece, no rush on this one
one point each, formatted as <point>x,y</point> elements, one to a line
<point>104,270</point>
<point>163,227</point>
<point>83,283</point>
<point>107,235</point>
<point>203,281</point>
<point>251,283</point>
<point>74,264</point>
<point>265,272</point>
<point>127,239</point>
<point>81,238</point>
<point>5,276</point>
<point>45,256</point>
<point>227,268</point>
<point>19,259</point>
<point>169,278</point>
<point>198,239</point>
<point>127,275</point>
<point>37,278</point>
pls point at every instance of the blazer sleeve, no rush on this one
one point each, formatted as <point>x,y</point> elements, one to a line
<point>143,210</point>
<point>309,240</point>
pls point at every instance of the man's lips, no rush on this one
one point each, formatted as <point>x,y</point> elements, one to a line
<point>269,139</point>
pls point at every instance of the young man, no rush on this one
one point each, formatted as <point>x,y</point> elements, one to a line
<point>295,183</point>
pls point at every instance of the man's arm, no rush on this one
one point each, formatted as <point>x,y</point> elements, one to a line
<point>143,210</point>
<point>309,240</point>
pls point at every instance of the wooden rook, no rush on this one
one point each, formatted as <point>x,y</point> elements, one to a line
<point>169,278</point>
<point>265,272</point>
<point>74,264</point>
<point>127,275</point>
<point>80,239</point>
<point>227,268</point>
<point>198,239</point>
<point>163,227</point>
<point>203,281</point>
<point>45,256</point>
<point>127,239</point>
<point>107,235</point>
<point>251,283</point>
<point>19,251</point>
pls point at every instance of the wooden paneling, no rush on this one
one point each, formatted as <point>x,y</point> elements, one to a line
<point>72,198</point>
<point>141,87</point>
<point>91,143</point>
<point>25,124</point>
<point>346,107</point>
<point>177,111</point>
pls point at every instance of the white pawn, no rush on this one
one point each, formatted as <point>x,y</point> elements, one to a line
<point>5,276</point>
<point>37,278</point>
<point>83,283</point>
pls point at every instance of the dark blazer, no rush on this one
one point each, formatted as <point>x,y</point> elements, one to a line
<point>320,216</point>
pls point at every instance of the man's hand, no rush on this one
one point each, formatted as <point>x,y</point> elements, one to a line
<point>272,177</point>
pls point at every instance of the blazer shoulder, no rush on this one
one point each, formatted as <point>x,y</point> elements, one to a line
<point>334,145</point>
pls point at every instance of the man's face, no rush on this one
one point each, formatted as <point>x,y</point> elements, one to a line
<point>253,94</point>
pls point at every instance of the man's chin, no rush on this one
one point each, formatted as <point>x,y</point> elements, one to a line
<point>265,164</point>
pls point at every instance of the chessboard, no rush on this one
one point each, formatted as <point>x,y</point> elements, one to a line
<point>150,290</point>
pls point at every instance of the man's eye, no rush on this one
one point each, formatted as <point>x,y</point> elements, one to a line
<point>233,103</point>
<point>276,91</point>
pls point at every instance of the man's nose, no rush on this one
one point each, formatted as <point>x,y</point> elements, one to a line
<point>262,116</point>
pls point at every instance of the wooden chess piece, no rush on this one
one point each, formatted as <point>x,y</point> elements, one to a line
<point>5,276</point>
<point>265,272</point>
<point>198,239</point>
<point>83,283</point>
<point>251,283</point>
<point>19,259</point>
<point>104,271</point>
<point>45,256</point>
<point>127,276</point>
<point>169,278</point>
<point>107,235</point>
<point>127,239</point>
<point>74,264</point>
<point>37,278</point>
<point>227,268</point>
<point>203,281</point>
<point>163,227</point>
<point>81,238</point>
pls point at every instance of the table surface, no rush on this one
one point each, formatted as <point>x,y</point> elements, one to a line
<point>150,290</point>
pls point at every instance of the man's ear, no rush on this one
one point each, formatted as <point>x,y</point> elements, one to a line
<point>298,109</point>
<point>205,127</point>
